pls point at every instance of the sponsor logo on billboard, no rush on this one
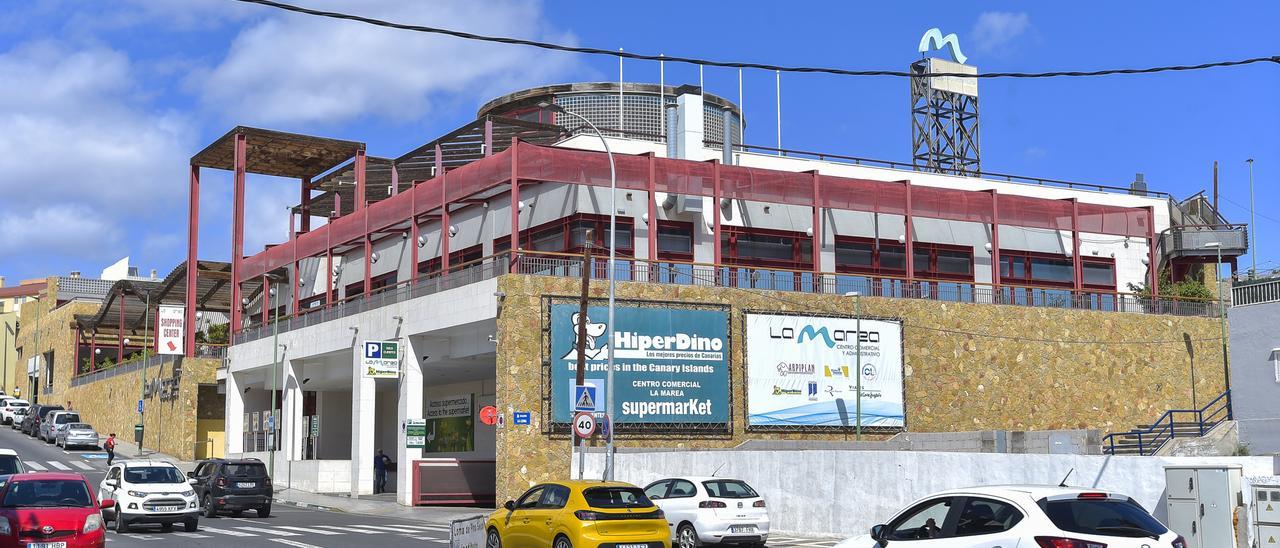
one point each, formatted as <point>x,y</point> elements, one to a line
<point>828,337</point>
<point>780,391</point>
<point>837,371</point>
<point>868,372</point>
<point>785,369</point>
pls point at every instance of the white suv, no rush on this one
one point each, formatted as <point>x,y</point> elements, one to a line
<point>149,491</point>
<point>702,510</point>
<point>8,410</point>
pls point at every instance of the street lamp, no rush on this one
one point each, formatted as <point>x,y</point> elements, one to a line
<point>613,233</point>
<point>857,405</point>
<point>1222,319</point>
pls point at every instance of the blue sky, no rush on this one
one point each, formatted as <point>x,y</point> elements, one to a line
<point>103,103</point>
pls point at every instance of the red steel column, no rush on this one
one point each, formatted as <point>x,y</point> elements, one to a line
<point>295,280</point>
<point>305,223</point>
<point>413,233</point>
<point>653,209</point>
<point>237,230</point>
<point>328,273</point>
<point>360,190</point>
<point>1077,271</point>
<point>817,229</point>
<point>368,258</point>
<point>1151,252</point>
<point>995,243</point>
<point>444,202</point>
<point>911,263</point>
<point>193,239</point>
<point>515,202</point>
<point>715,215</point>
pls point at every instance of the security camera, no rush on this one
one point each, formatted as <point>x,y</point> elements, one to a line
<point>425,357</point>
<point>499,294</point>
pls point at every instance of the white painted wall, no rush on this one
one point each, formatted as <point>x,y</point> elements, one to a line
<point>844,493</point>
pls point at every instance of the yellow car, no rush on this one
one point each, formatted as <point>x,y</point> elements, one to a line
<point>579,514</point>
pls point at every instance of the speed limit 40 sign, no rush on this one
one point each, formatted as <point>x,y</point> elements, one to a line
<point>584,425</point>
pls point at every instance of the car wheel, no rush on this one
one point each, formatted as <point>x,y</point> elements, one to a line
<point>492,540</point>
<point>264,512</point>
<point>209,510</point>
<point>562,542</point>
<point>191,525</point>
<point>687,536</point>
<point>122,524</point>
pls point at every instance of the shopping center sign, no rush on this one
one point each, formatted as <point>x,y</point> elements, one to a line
<point>803,371</point>
<point>380,359</point>
<point>671,364</point>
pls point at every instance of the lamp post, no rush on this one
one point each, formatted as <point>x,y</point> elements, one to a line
<point>1253,226</point>
<point>857,404</point>
<point>1222,321</point>
<point>613,234</point>
<point>275,363</point>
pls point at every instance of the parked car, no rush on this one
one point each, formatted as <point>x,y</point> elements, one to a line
<point>55,509</point>
<point>1031,515</point>
<point>148,491</point>
<point>10,407</point>
<point>15,421</point>
<point>76,434</point>
<point>579,513</point>
<point>708,510</point>
<point>57,420</point>
<point>232,485</point>
<point>11,463</point>
<point>31,423</point>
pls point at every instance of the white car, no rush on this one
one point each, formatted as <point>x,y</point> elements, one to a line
<point>147,491</point>
<point>11,463</point>
<point>8,411</point>
<point>708,510</point>
<point>1025,516</point>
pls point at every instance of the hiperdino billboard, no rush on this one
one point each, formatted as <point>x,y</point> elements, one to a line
<point>804,371</point>
<point>671,364</point>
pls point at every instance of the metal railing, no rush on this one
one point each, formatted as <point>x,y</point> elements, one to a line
<point>1193,423</point>
<point>1249,292</point>
<point>131,366</point>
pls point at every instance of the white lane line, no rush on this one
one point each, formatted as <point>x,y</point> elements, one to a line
<point>59,465</point>
<point>427,527</point>
<point>34,465</point>
<point>349,528</point>
<point>226,532</point>
<point>266,531</point>
<point>308,530</point>
<point>384,528</point>
<point>81,465</point>
<point>191,535</point>
<point>294,543</point>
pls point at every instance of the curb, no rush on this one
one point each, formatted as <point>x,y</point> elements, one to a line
<point>307,505</point>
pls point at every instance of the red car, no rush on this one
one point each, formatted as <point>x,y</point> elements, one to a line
<point>50,510</point>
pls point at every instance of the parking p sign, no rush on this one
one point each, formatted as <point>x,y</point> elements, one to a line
<point>380,359</point>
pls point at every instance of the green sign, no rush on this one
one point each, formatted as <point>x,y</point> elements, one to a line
<point>415,434</point>
<point>381,359</point>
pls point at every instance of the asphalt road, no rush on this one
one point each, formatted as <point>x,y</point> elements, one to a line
<point>287,526</point>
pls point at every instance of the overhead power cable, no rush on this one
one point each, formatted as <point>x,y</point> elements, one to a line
<point>744,65</point>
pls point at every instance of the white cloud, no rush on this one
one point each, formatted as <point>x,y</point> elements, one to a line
<point>996,31</point>
<point>59,230</point>
<point>295,69</point>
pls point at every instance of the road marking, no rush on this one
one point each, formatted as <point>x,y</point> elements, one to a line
<point>307,530</point>
<point>34,465</point>
<point>293,543</point>
<point>191,535</point>
<point>268,531</point>
<point>427,527</point>
<point>226,532</point>
<point>81,465</point>
<point>349,528</point>
<point>385,528</point>
<point>59,465</point>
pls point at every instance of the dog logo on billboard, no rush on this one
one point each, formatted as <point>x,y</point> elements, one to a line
<point>594,332</point>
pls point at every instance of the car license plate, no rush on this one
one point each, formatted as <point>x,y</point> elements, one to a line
<point>246,484</point>
<point>631,546</point>
<point>742,528</point>
<point>47,545</point>
<point>165,508</point>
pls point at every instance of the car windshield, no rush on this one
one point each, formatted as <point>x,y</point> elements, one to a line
<point>616,497</point>
<point>66,418</point>
<point>254,470</point>
<point>17,404</point>
<point>1107,517</point>
<point>9,464</point>
<point>46,493</point>
<point>729,489</point>
<point>153,474</point>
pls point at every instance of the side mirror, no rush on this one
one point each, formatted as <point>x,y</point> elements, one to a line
<point>510,505</point>
<point>113,483</point>
<point>106,503</point>
<point>191,474</point>
<point>193,481</point>
<point>877,534</point>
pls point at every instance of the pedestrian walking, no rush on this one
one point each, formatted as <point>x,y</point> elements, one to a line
<point>110,446</point>
<point>381,463</point>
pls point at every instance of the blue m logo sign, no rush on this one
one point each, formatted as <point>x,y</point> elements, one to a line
<point>933,39</point>
<point>808,332</point>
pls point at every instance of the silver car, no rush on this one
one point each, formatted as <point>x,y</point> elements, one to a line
<point>56,421</point>
<point>76,434</point>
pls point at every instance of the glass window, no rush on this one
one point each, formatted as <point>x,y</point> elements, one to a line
<point>616,497</point>
<point>548,240</point>
<point>683,489</point>
<point>9,465</point>
<point>729,489</point>
<point>66,418</point>
<point>657,490</point>
<point>1051,270</point>
<point>530,498</point>
<point>252,470</point>
<point>925,521</point>
<point>1099,273</point>
<point>675,238</point>
<point>759,246</point>
<point>893,257</point>
<point>554,496</point>
<point>855,254</point>
<point>986,517</point>
<point>1121,518</point>
<point>955,262</point>
<point>920,260</point>
<point>47,493</point>
<point>153,474</point>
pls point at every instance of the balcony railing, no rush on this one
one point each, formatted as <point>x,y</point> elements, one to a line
<point>1249,292</point>
<point>1204,241</point>
<point>698,274</point>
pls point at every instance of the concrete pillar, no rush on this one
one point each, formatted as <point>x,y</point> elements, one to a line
<point>408,406</point>
<point>234,416</point>
<point>291,413</point>
<point>363,403</point>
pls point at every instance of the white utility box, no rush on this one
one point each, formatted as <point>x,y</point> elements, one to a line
<point>1266,515</point>
<point>1202,503</point>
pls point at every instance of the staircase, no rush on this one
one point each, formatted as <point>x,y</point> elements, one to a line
<point>1146,439</point>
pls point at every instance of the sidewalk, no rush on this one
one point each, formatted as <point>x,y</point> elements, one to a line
<point>374,505</point>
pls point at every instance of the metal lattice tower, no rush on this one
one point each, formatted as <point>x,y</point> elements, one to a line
<point>944,119</point>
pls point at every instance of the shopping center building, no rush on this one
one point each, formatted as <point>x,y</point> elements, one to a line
<point>758,292</point>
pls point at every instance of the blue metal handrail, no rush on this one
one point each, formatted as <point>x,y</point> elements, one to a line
<point>1153,437</point>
